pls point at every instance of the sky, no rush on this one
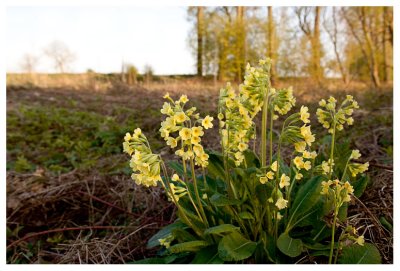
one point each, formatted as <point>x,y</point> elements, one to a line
<point>101,38</point>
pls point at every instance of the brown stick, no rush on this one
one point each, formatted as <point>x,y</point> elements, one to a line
<point>108,203</point>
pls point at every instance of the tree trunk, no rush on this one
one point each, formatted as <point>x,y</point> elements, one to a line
<point>371,50</point>
<point>316,47</point>
<point>240,43</point>
<point>200,34</point>
<point>271,43</point>
<point>385,38</point>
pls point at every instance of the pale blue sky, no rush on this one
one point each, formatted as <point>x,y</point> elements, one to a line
<point>102,37</point>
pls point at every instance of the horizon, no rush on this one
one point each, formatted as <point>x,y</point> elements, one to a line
<point>120,35</point>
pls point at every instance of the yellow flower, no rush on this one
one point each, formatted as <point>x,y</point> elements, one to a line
<point>195,140</point>
<point>242,146</point>
<point>137,132</point>
<point>306,133</point>
<point>263,179</point>
<point>172,142</point>
<point>298,176</point>
<point>348,187</point>
<point>197,131</point>
<point>285,181</point>
<point>166,96</point>
<point>304,115</point>
<point>270,175</point>
<point>198,150</point>
<point>166,109</point>
<point>187,155</point>
<point>127,137</point>
<point>183,99</point>
<point>326,166</point>
<point>278,216</point>
<point>180,117</point>
<point>325,187</point>
<point>298,161</point>
<point>185,133</point>
<point>355,154</point>
<point>281,203</point>
<point>207,122</point>
<point>300,146</point>
<point>332,99</point>
<point>322,102</point>
<point>307,165</point>
<point>360,240</point>
<point>274,166</point>
<point>229,103</point>
<point>127,148</point>
<point>175,177</point>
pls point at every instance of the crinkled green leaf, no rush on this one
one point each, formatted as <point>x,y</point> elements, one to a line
<point>224,228</point>
<point>221,200</point>
<point>235,247</point>
<point>207,255</point>
<point>192,246</point>
<point>164,232</point>
<point>356,254</point>
<point>304,201</point>
<point>289,246</point>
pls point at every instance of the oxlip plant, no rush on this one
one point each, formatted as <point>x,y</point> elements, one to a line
<point>241,205</point>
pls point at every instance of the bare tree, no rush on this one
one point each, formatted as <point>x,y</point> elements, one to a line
<point>360,24</point>
<point>60,54</point>
<point>200,36</point>
<point>333,36</point>
<point>29,63</point>
<point>271,40</point>
<point>312,32</point>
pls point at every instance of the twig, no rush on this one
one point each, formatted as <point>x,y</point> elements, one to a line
<point>108,203</point>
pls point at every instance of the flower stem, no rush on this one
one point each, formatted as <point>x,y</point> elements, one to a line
<point>264,121</point>
<point>333,235</point>
<point>270,137</point>
<point>196,191</point>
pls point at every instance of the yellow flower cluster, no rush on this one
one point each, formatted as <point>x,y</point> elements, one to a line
<point>332,119</point>
<point>179,128</point>
<point>283,100</point>
<point>341,191</point>
<point>357,168</point>
<point>166,242</point>
<point>236,124</point>
<point>177,191</point>
<point>327,166</point>
<point>143,161</point>
<point>270,174</point>
<point>254,87</point>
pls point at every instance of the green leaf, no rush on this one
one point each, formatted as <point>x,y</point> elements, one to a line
<point>207,255</point>
<point>224,228</point>
<point>164,232</point>
<point>264,192</point>
<point>192,246</point>
<point>251,159</point>
<point>246,215</point>
<point>182,235</point>
<point>221,200</point>
<point>178,168</point>
<point>356,254</point>
<point>304,201</point>
<point>360,184</point>
<point>235,247</point>
<point>216,165</point>
<point>289,246</point>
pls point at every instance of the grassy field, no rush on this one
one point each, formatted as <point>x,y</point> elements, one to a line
<point>70,198</point>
